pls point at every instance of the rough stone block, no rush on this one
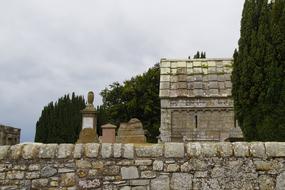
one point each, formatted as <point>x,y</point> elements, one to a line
<point>65,150</point>
<point>213,92</point>
<point>257,149</point>
<point>139,188</point>
<point>225,149</point>
<point>4,151</point>
<point>164,64</point>
<point>160,183</point>
<point>34,167</point>
<point>65,170</point>
<point>106,150</point>
<point>275,149</point>
<point>172,168</point>
<point>78,151</point>
<point>32,175</point>
<point>197,70</point>
<point>213,85</point>
<point>67,180</point>
<point>48,151</point>
<point>164,78</point>
<point>140,182</point>
<point>158,165</point>
<point>189,64</point>
<point>117,150</point>
<point>89,184</point>
<point>241,149</point>
<point>182,78</point>
<point>143,162</point>
<point>39,183</point>
<point>194,149</point>
<point>128,151</point>
<point>181,181</point>
<point>209,149</point>
<point>15,151</point>
<point>15,175</point>
<point>83,164</point>
<point>91,150</point>
<point>181,85</point>
<point>164,85</point>
<point>129,172</point>
<point>125,188</point>
<point>213,77</point>
<point>155,150</point>
<point>98,165</point>
<point>48,171</point>
<point>164,93</point>
<point>186,167</point>
<point>111,170</point>
<point>181,64</point>
<point>148,174</point>
<point>280,181</point>
<point>261,165</point>
<point>198,92</point>
<point>174,150</point>
<point>198,85</point>
<point>165,70</point>
<point>266,182</point>
<point>228,84</point>
<point>30,151</point>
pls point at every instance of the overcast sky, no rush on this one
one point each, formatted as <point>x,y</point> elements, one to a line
<point>49,48</point>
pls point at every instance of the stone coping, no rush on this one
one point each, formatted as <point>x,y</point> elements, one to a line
<point>131,151</point>
<point>207,59</point>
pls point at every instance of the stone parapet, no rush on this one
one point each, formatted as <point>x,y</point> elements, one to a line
<point>195,165</point>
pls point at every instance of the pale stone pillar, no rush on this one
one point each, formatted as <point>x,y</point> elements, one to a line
<point>88,132</point>
<point>108,133</point>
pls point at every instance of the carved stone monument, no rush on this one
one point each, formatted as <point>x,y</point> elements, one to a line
<point>88,132</point>
<point>131,132</point>
<point>196,100</point>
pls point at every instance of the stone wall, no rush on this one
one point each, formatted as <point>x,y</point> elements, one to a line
<point>177,166</point>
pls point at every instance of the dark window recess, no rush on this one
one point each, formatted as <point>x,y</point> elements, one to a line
<point>196,121</point>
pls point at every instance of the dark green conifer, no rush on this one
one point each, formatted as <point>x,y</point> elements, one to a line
<point>60,122</point>
<point>258,71</point>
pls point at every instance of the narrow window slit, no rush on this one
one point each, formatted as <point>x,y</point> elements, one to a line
<point>196,121</point>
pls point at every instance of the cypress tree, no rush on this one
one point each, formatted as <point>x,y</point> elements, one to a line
<point>258,71</point>
<point>60,122</point>
<point>197,55</point>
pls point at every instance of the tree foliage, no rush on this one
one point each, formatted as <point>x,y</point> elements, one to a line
<point>60,122</point>
<point>137,97</point>
<point>199,55</point>
<point>259,71</point>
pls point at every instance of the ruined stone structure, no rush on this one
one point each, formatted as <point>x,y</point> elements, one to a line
<point>196,102</point>
<point>169,166</point>
<point>9,135</point>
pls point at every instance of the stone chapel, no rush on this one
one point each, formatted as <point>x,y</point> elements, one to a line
<point>196,101</point>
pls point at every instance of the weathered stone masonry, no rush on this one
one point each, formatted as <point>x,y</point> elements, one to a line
<point>178,166</point>
<point>196,100</point>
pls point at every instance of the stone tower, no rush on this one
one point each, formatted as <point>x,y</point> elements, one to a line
<point>196,101</point>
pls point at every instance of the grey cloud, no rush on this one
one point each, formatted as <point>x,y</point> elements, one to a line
<point>49,48</point>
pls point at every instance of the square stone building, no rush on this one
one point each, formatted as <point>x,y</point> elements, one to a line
<point>9,135</point>
<point>196,101</point>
